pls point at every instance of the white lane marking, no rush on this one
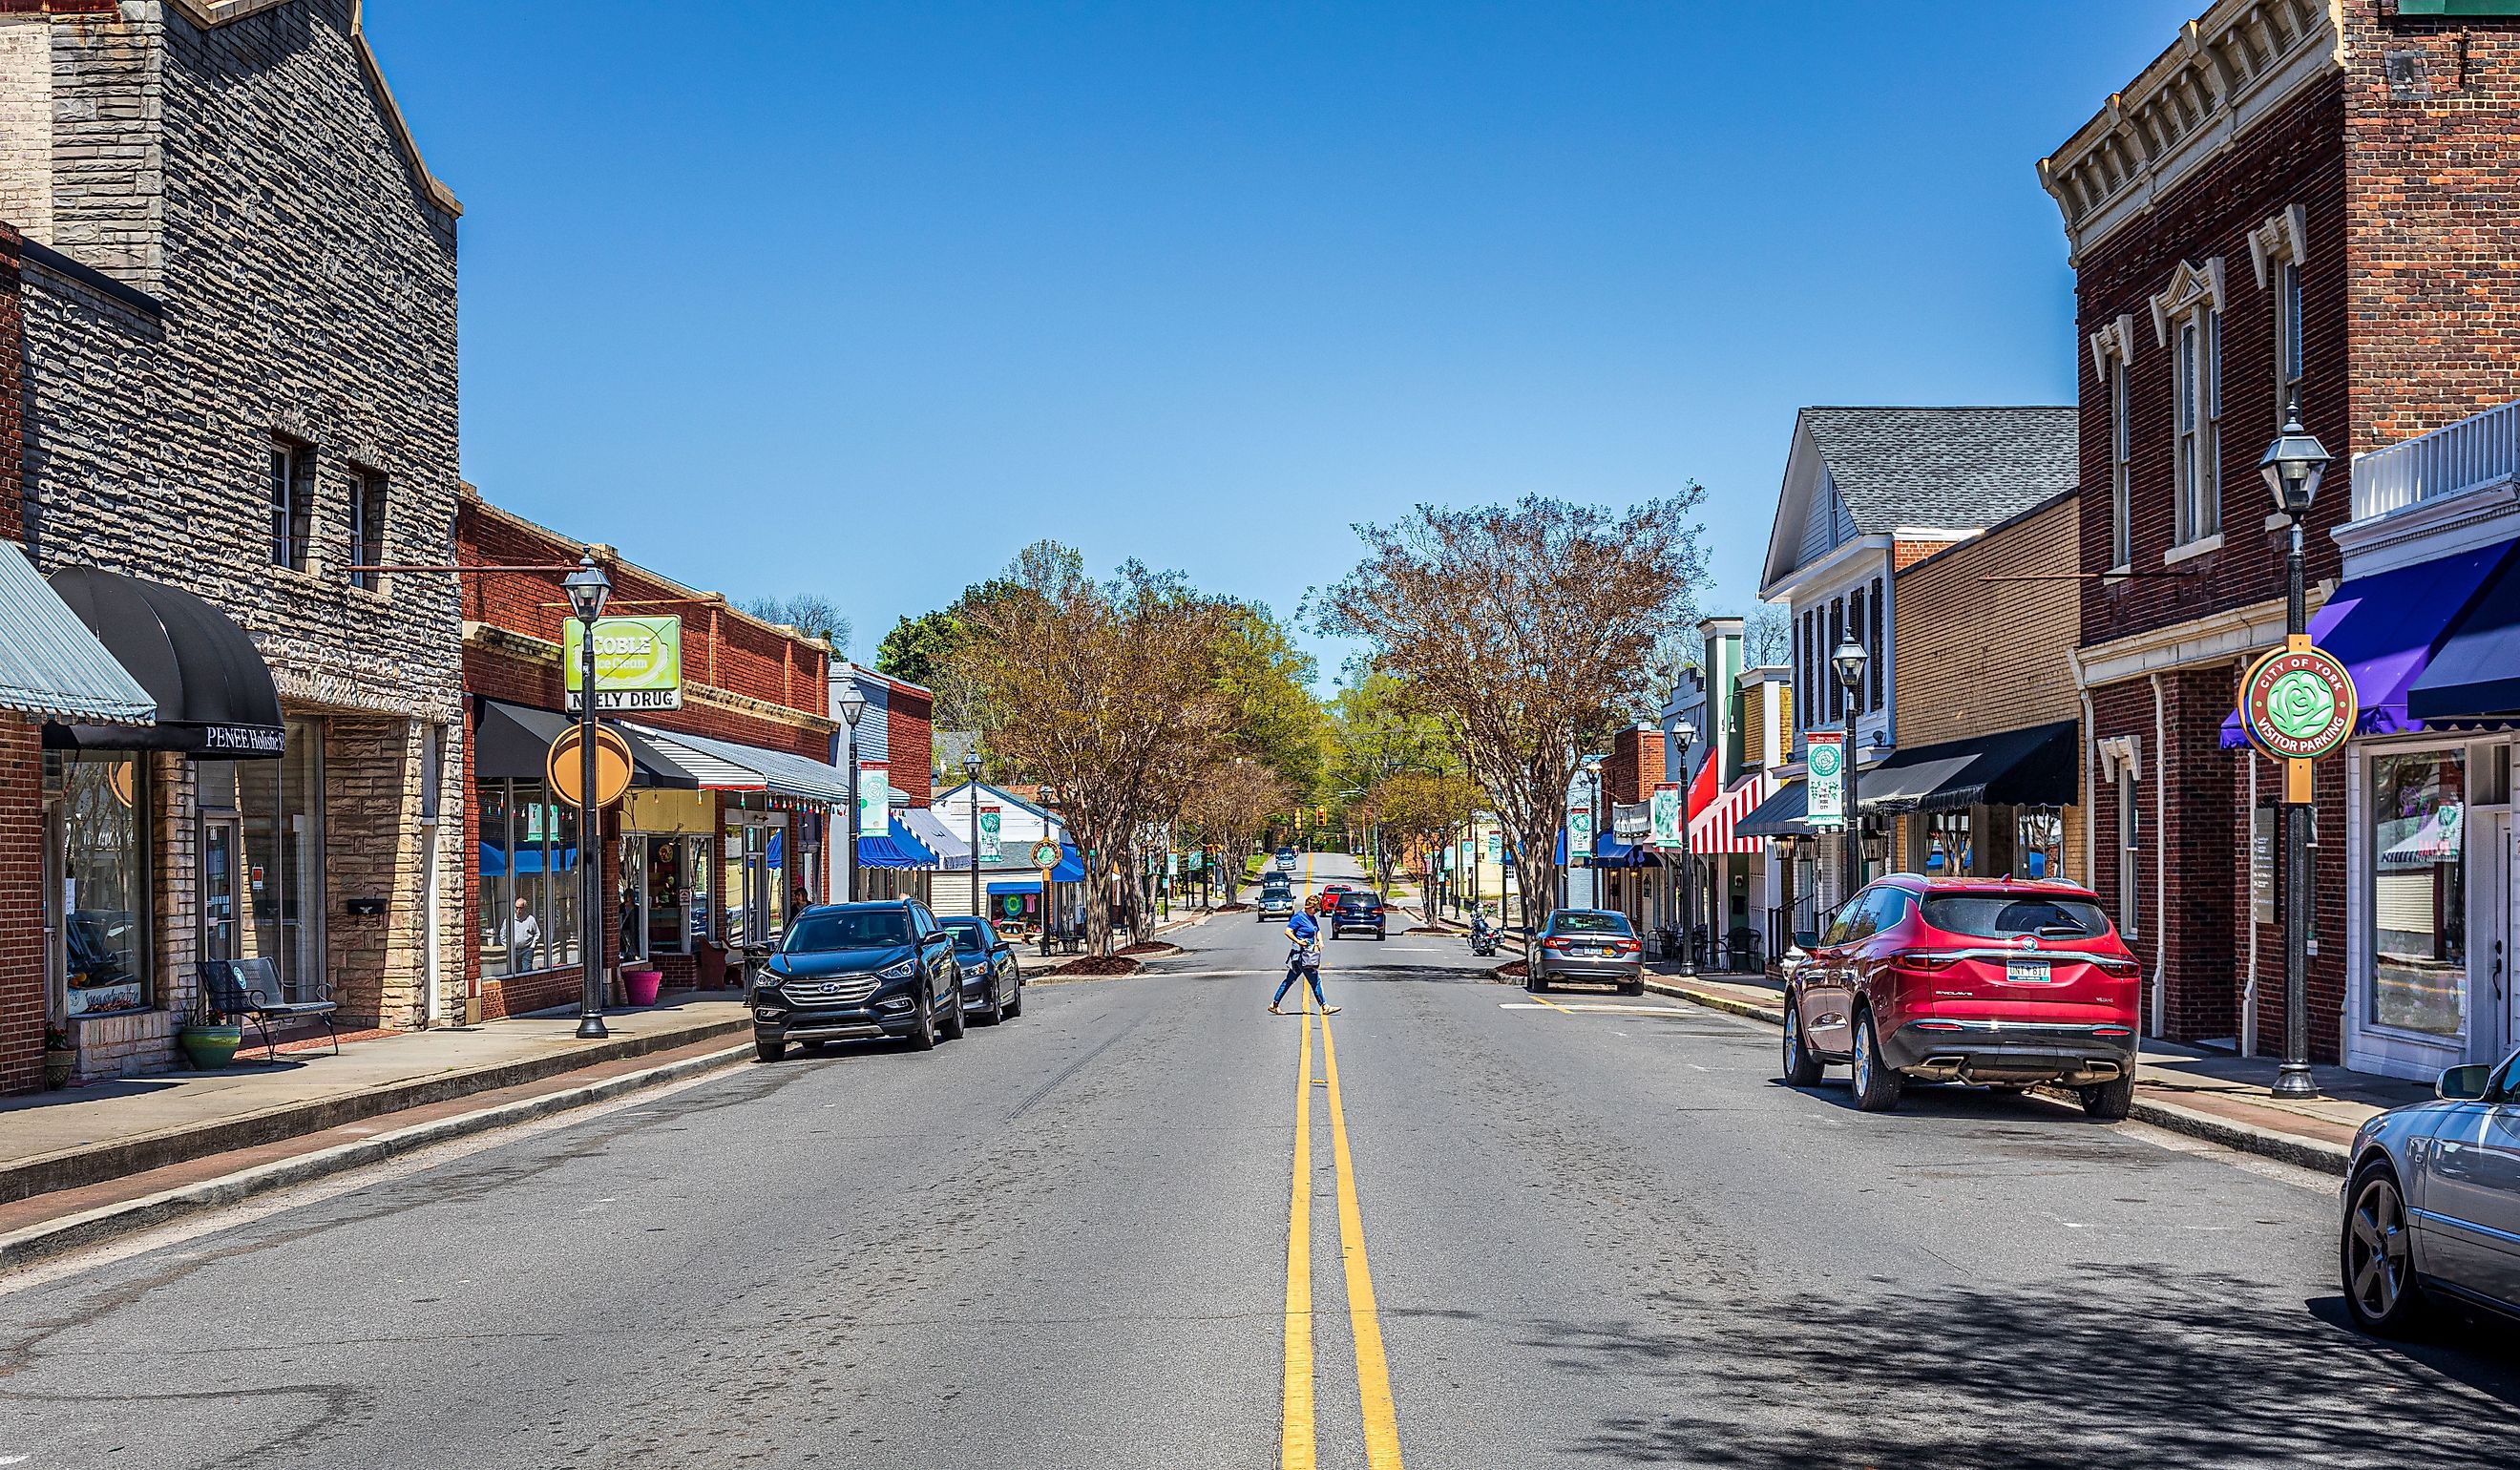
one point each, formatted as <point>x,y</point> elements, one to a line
<point>1620,1010</point>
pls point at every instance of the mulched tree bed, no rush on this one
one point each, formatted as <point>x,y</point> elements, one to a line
<point>1152,947</point>
<point>1095,964</point>
<point>1232,908</point>
<point>1517,970</point>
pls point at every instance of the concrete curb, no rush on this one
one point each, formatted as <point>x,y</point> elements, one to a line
<point>91,1165</point>
<point>87,1227</point>
<point>2304,1153</point>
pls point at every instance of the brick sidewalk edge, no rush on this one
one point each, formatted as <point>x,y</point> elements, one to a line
<point>89,1226</point>
<point>2291,1148</point>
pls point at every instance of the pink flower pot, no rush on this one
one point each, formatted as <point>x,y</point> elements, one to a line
<point>641,985</point>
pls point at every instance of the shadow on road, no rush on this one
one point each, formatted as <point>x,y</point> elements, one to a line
<point>2124,1365</point>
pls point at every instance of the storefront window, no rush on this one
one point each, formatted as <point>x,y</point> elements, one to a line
<point>1946,844</point>
<point>281,806</point>
<point>496,863</point>
<point>2420,897</point>
<point>529,879</point>
<point>2039,842</point>
<point>105,882</point>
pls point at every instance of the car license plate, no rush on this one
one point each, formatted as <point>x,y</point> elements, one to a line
<point>2025,972</point>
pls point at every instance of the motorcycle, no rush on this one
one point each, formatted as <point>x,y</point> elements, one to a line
<point>1483,937</point>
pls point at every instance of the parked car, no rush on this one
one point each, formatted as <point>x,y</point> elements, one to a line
<point>1973,980</point>
<point>992,977</point>
<point>851,971</point>
<point>2432,1207</point>
<point>1286,859</point>
<point>1593,945</point>
<point>1357,910</point>
<point>1277,898</point>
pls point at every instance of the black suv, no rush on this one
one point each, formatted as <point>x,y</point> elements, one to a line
<point>1356,911</point>
<point>851,971</point>
<point>992,979</point>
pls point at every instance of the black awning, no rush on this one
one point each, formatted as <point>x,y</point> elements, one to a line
<point>215,692</point>
<point>511,740</point>
<point>2476,675</point>
<point>2037,767</point>
<point>1784,814</point>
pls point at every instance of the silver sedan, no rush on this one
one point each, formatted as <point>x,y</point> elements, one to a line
<point>2432,1207</point>
<point>1594,946</point>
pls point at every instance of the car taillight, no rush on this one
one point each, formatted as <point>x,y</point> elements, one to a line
<point>2113,1031</point>
<point>2116,965</point>
<point>1556,944</point>
<point>1926,963</point>
<point>1935,1025</point>
<point>1627,946</point>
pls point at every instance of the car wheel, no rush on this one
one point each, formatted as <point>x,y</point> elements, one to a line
<point>953,1025</point>
<point>2375,1257</point>
<point>1802,1069</point>
<point>1877,1086</point>
<point>769,1050</point>
<point>923,1030</point>
<point>2109,1102</point>
<point>1015,1002</point>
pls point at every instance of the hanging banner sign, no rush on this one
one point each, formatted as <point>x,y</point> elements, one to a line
<point>1666,815</point>
<point>1824,758</point>
<point>1579,833</point>
<point>1172,865</point>
<point>991,820</point>
<point>638,662</point>
<point>875,799</point>
<point>1495,847</point>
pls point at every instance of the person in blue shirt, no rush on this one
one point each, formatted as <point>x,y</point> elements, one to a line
<point>1304,932</point>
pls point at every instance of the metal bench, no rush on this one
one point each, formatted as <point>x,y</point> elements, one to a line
<point>245,988</point>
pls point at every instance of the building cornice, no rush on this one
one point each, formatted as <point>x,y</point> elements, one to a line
<point>1829,568</point>
<point>490,637</point>
<point>2216,638</point>
<point>2230,68</point>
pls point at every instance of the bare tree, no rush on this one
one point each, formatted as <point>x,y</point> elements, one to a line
<point>1231,804</point>
<point>1419,812</point>
<point>1106,690</point>
<point>809,613</point>
<point>1527,626</point>
<point>1767,637</point>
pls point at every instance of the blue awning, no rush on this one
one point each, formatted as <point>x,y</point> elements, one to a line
<point>1609,852</point>
<point>2386,629</point>
<point>2475,673</point>
<point>896,848</point>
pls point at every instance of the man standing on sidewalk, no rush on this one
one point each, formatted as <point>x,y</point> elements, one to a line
<point>1304,932</point>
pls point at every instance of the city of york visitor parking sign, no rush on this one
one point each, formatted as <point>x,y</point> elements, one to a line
<point>2298,704</point>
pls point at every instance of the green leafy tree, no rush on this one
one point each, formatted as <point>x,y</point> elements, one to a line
<point>1277,721</point>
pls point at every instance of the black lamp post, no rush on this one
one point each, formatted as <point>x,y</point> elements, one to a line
<point>2292,466</point>
<point>1849,659</point>
<point>972,770</point>
<point>1681,734</point>
<point>852,701</point>
<point>587,589</point>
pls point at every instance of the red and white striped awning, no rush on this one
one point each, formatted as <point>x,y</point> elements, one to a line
<point>1711,832</point>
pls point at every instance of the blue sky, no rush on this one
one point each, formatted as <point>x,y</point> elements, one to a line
<point>857,299</point>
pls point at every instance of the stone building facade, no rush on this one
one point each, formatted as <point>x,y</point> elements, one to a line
<point>2298,199</point>
<point>240,381</point>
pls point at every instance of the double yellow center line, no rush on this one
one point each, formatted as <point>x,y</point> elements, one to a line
<point>1296,1440</point>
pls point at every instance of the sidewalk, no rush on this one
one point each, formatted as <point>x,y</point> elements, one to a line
<point>104,1131</point>
<point>2222,1099</point>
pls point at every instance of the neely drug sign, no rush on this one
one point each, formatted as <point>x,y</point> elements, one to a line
<point>638,662</point>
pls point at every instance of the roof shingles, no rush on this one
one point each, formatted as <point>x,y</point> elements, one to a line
<point>1957,468</point>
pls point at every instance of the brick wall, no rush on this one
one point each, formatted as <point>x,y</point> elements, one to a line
<point>1977,657</point>
<point>25,1004</point>
<point>1635,766</point>
<point>2432,237</point>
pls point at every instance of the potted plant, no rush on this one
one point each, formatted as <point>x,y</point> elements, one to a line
<point>61,1058</point>
<point>211,1036</point>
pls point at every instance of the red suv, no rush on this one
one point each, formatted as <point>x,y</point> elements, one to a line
<point>1975,980</point>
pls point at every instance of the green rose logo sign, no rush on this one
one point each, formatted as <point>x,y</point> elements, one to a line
<point>2298,704</point>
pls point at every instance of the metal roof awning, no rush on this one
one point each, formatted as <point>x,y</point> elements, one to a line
<point>898,847</point>
<point>1782,815</point>
<point>951,851</point>
<point>52,665</point>
<point>725,766</point>
<point>511,740</point>
<point>213,692</point>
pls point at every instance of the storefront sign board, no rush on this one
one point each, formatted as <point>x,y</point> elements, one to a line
<point>638,662</point>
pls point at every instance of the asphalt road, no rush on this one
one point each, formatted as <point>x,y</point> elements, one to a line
<point>1597,1232</point>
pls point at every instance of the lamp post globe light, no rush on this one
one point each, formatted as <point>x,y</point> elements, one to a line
<point>853,702</point>
<point>1681,734</point>
<point>972,776</point>
<point>588,587</point>
<point>2292,466</point>
<point>1849,661</point>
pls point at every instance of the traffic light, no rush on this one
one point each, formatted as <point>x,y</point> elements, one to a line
<point>1322,813</point>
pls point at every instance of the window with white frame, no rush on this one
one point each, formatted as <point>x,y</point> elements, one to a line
<point>2121,469</point>
<point>2130,841</point>
<point>2197,411</point>
<point>291,496</point>
<point>2278,249</point>
<point>2288,337</point>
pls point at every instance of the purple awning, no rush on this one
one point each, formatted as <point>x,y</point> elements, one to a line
<point>2384,628</point>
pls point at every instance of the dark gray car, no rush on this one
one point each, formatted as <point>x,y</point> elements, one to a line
<point>846,971</point>
<point>1594,946</point>
<point>2432,1207</point>
<point>992,978</point>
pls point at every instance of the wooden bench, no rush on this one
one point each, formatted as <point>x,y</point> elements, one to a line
<point>246,988</point>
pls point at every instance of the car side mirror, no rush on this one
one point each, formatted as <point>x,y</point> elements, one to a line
<point>2464,1084</point>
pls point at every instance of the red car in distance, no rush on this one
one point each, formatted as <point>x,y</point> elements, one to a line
<point>1331,895</point>
<point>1977,980</point>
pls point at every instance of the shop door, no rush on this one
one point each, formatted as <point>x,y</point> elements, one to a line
<point>222,884</point>
<point>2494,999</point>
<point>633,897</point>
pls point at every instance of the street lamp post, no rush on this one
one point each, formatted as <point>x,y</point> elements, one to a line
<point>587,589</point>
<point>971,770</point>
<point>1849,659</point>
<point>1681,735</point>
<point>853,703</point>
<point>2292,467</point>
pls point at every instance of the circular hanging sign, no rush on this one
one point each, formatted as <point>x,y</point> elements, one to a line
<point>2298,704</point>
<point>612,767</point>
<point>1044,853</point>
<point>1823,758</point>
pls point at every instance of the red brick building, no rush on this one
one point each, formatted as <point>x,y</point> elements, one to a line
<point>732,811</point>
<point>2296,201</point>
